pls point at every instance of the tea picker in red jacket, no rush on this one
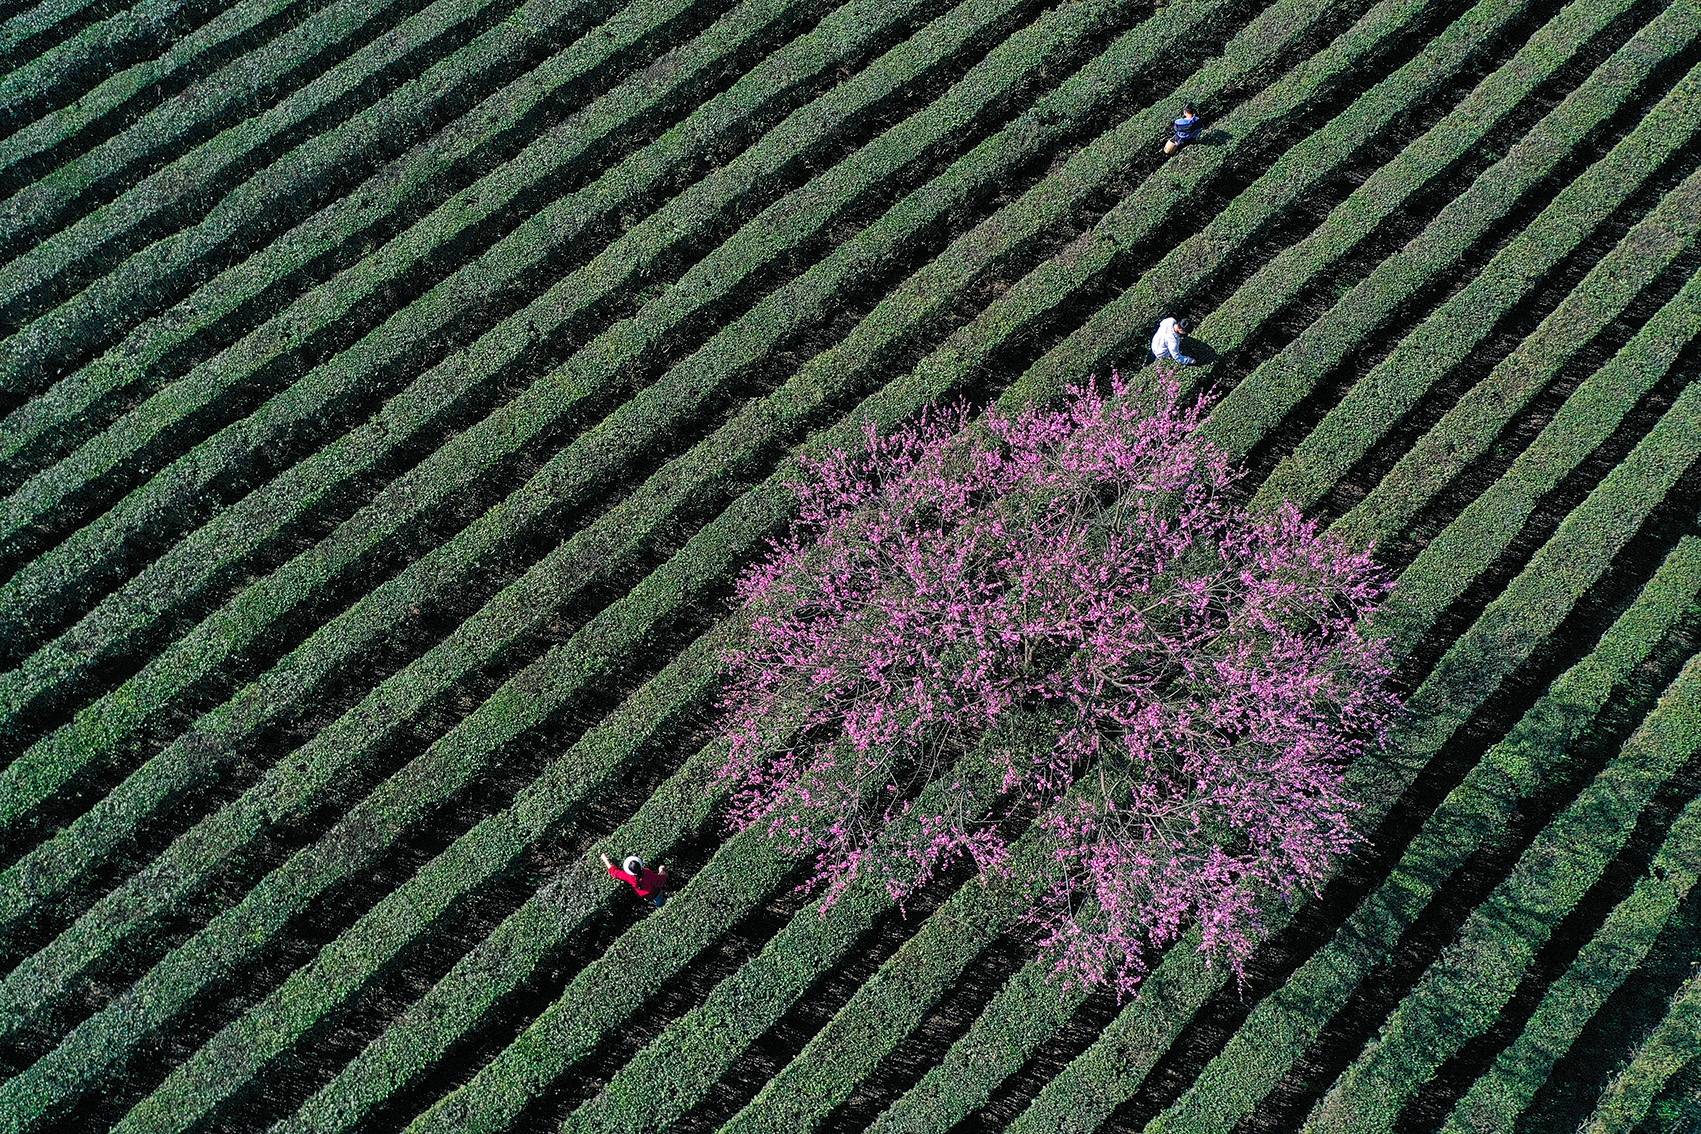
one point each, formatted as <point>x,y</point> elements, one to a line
<point>651,884</point>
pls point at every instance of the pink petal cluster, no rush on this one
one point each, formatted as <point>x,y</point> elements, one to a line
<point>1198,674</point>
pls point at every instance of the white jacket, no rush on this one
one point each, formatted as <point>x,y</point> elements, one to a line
<point>1167,342</point>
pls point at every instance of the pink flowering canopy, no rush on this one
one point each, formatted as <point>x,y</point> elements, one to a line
<point>1062,617</point>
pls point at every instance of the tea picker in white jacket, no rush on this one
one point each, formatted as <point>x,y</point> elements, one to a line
<point>1167,342</point>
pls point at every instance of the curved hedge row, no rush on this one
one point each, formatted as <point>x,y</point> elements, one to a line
<point>328,655</point>
<point>1464,990</point>
<point>1512,627</point>
<point>1471,425</point>
<point>1669,1049</point>
<point>1496,1099</point>
<point>548,405</point>
<point>1473,814</point>
<point>479,388</point>
<point>1259,401</point>
<point>1391,388</point>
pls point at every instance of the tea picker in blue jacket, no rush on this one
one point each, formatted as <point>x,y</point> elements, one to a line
<point>1187,128</point>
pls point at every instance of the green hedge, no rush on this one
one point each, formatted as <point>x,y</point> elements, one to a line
<point>1443,341</point>
<point>1672,1048</point>
<point>1260,401</point>
<point>355,844</point>
<point>1239,1076</point>
<point>149,883</point>
<point>1471,425</point>
<point>42,76</point>
<point>1499,1095</point>
<point>745,871</point>
<point>424,904</point>
<point>94,554</point>
<point>1474,813</point>
<point>1588,418</point>
<point>1509,630</point>
<point>890,1004</point>
<point>684,1061</point>
<point>42,202</point>
<point>568,906</point>
<point>1021,1015</point>
<point>1636,484</point>
<point>1565,567</point>
<point>22,23</point>
<point>115,227</point>
<point>676,1070</point>
<point>642,1083</point>
<point>222,549</point>
<point>1120,326</point>
<point>106,726</point>
<point>46,426</point>
<point>151,892</point>
<point>456,758</point>
<point>1387,191</point>
<point>1559,573</point>
<point>1676,1103</point>
<point>1462,993</point>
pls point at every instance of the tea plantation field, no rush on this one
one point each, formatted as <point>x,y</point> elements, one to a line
<point>393,388</point>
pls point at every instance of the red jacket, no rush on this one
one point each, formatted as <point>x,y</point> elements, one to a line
<point>646,883</point>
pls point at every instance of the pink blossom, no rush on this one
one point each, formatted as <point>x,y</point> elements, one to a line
<point>1073,597</point>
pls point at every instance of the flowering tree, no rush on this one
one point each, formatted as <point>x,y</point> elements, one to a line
<point>1071,598</point>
